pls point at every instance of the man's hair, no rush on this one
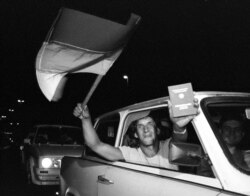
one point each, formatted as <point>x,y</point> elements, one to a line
<point>132,130</point>
<point>134,123</point>
<point>230,117</point>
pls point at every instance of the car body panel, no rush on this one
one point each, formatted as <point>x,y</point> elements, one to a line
<point>140,181</point>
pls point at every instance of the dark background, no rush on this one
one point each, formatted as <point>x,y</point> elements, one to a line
<point>205,42</point>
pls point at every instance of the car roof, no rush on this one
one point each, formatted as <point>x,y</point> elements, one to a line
<point>162,100</point>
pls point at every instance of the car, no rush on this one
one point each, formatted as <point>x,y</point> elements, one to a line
<point>205,164</point>
<point>43,149</point>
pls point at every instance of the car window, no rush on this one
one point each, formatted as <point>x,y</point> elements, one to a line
<point>165,131</point>
<point>106,129</point>
<point>59,135</point>
<point>71,135</point>
<point>232,128</point>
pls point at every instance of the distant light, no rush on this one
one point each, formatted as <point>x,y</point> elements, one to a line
<point>125,77</point>
<point>11,110</point>
<point>17,123</point>
<point>57,193</point>
<point>3,116</point>
<point>20,101</point>
<point>11,123</point>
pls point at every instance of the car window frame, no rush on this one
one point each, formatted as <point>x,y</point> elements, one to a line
<point>227,99</point>
<point>159,107</point>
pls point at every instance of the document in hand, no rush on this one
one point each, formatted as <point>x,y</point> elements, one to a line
<point>182,99</point>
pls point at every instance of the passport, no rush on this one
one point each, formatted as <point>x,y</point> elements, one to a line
<point>182,99</point>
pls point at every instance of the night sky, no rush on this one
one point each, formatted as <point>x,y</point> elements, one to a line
<point>206,42</point>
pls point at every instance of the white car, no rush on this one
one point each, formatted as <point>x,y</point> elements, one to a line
<point>206,166</point>
<point>44,148</point>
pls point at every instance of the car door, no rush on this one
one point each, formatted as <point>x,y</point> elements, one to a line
<point>93,167</point>
<point>127,179</point>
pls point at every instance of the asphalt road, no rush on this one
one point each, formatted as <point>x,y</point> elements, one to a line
<point>12,177</point>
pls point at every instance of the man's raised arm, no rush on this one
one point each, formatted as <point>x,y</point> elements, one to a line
<point>91,138</point>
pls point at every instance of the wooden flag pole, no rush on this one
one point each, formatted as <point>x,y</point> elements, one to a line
<point>91,91</point>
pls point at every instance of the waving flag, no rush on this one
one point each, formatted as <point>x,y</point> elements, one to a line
<point>79,42</point>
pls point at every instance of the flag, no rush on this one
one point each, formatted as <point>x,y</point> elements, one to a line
<point>79,42</point>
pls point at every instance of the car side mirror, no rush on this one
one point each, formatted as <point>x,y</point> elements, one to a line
<point>185,154</point>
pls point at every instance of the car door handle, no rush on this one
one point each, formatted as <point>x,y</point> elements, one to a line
<point>104,180</point>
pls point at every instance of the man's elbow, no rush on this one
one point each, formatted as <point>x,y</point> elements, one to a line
<point>107,152</point>
<point>93,145</point>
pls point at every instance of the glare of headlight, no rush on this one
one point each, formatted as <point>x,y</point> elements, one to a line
<point>46,162</point>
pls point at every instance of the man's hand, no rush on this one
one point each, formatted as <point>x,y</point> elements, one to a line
<point>81,112</point>
<point>180,123</point>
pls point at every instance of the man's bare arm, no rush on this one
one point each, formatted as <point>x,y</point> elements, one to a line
<point>91,138</point>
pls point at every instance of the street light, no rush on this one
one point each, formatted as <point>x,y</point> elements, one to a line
<point>125,77</point>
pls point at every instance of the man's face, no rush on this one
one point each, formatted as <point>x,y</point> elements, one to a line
<point>232,132</point>
<point>146,131</point>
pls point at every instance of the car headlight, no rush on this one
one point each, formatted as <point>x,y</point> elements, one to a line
<point>46,162</point>
<point>51,162</point>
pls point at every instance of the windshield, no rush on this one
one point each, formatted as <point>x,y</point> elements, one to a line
<point>58,135</point>
<point>232,127</point>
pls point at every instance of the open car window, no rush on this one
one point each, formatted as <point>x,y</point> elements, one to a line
<point>232,127</point>
<point>164,125</point>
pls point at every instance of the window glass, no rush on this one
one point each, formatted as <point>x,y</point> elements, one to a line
<point>106,130</point>
<point>232,127</point>
<point>59,135</point>
<point>71,135</point>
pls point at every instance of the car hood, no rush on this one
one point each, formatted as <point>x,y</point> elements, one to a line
<point>58,150</point>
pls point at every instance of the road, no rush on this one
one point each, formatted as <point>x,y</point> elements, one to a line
<point>12,178</point>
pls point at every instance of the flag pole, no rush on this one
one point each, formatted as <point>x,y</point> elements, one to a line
<point>91,91</point>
